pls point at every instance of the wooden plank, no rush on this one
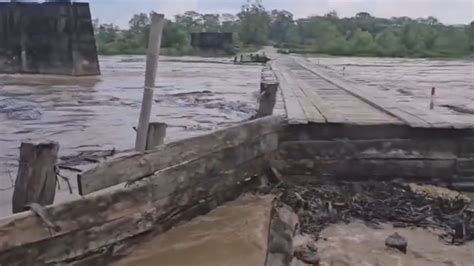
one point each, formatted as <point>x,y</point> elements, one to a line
<point>138,165</point>
<point>465,186</point>
<point>311,111</point>
<point>465,167</point>
<point>379,103</point>
<point>328,113</point>
<point>370,149</point>
<point>119,232</point>
<point>96,221</point>
<point>293,108</point>
<point>385,169</point>
<point>378,131</point>
<point>435,120</point>
<point>466,147</point>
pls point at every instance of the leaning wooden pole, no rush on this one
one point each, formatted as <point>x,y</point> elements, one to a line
<point>154,44</point>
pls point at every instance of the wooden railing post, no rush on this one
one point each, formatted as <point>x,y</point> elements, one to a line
<point>154,44</point>
<point>36,178</point>
<point>156,135</point>
<point>268,91</point>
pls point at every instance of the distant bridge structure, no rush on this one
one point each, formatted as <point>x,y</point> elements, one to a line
<point>53,37</point>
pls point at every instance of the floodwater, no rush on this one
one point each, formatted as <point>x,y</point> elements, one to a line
<point>359,244</point>
<point>409,81</point>
<point>193,96</point>
<point>234,234</point>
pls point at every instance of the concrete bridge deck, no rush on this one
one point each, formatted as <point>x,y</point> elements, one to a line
<point>313,95</point>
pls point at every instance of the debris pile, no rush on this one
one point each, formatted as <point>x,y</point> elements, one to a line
<point>319,205</point>
<point>85,157</point>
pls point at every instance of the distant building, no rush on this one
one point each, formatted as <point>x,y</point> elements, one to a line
<point>55,37</point>
<point>213,42</point>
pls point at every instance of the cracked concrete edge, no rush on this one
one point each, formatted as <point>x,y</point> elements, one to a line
<point>282,229</point>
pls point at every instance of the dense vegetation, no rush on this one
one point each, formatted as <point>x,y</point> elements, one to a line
<point>362,34</point>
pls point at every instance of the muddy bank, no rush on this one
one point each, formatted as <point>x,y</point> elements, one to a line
<point>348,223</point>
<point>322,204</point>
<point>95,115</point>
<point>359,244</point>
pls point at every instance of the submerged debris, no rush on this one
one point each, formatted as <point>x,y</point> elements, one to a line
<point>311,258</point>
<point>319,205</point>
<point>460,109</point>
<point>85,157</point>
<point>397,241</point>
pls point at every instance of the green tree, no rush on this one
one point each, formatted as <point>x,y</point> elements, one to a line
<point>328,37</point>
<point>107,33</point>
<point>412,39</point>
<point>191,21</point>
<point>254,23</point>
<point>175,36</point>
<point>211,22</point>
<point>452,41</point>
<point>139,22</point>
<point>470,35</point>
<point>362,34</point>
<point>230,23</point>
<point>281,23</point>
<point>292,36</point>
<point>390,42</point>
<point>362,42</point>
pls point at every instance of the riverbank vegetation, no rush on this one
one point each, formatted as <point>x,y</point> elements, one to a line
<point>254,26</point>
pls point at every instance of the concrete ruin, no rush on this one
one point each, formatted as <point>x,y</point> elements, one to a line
<point>55,37</point>
<point>213,43</point>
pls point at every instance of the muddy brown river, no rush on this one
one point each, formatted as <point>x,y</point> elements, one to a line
<point>193,96</point>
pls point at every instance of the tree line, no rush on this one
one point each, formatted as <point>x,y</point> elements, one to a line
<point>253,26</point>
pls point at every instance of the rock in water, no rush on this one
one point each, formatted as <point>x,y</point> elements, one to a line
<point>308,257</point>
<point>397,241</point>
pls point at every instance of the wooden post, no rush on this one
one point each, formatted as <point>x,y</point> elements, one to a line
<point>36,178</point>
<point>156,135</point>
<point>268,90</point>
<point>433,93</point>
<point>154,44</point>
<point>267,99</point>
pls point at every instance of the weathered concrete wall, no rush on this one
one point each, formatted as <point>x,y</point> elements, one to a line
<point>47,38</point>
<point>213,43</point>
<point>350,152</point>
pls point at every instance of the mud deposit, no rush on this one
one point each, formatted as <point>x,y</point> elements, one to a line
<point>351,222</point>
<point>322,204</point>
<point>359,244</point>
<point>193,96</point>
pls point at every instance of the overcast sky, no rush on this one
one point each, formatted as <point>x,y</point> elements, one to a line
<point>447,11</point>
